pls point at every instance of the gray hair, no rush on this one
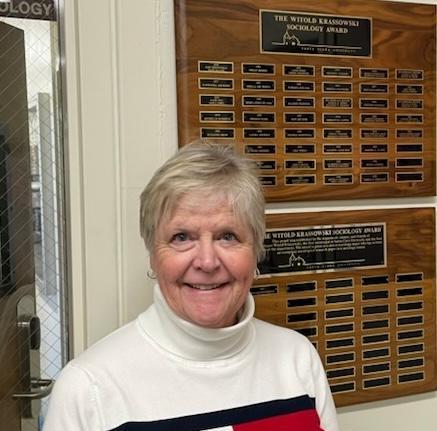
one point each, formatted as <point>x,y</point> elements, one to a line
<point>204,167</point>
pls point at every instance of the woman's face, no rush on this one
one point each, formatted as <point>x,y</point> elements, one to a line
<point>204,260</point>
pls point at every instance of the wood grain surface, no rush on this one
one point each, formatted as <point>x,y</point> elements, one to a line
<point>409,314</point>
<point>403,37</point>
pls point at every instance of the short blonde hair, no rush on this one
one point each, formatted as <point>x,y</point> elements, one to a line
<point>204,167</point>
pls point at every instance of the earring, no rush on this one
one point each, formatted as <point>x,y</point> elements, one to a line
<point>151,274</point>
<point>257,272</point>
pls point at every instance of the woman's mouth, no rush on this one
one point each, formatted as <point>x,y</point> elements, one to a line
<point>205,286</point>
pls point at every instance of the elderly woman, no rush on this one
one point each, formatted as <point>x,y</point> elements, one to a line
<point>197,359</point>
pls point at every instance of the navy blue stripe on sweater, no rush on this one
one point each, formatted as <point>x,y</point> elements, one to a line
<point>235,416</point>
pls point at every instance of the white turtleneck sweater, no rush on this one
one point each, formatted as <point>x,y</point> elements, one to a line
<point>162,373</point>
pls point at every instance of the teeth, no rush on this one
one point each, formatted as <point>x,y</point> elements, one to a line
<point>205,286</point>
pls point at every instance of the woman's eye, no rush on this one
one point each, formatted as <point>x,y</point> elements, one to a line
<point>229,236</point>
<point>179,237</point>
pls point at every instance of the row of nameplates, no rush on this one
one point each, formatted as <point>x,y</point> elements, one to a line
<point>307,70</point>
<point>338,133</point>
<point>305,117</point>
<point>307,102</point>
<point>307,86</point>
<point>378,382</point>
<point>328,149</point>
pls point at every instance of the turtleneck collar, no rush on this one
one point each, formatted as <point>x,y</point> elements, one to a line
<point>192,342</point>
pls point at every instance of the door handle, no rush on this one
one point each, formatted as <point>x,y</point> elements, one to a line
<point>31,388</point>
<point>40,388</point>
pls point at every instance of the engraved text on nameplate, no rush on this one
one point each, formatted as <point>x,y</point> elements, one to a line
<point>324,248</point>
<point>281,33</point>
<point>264,69</point>
<point>298,70</point>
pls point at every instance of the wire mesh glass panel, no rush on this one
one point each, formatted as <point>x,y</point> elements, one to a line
<point>32,296</point>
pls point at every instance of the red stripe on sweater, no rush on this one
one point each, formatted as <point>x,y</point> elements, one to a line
<point>306,420</point>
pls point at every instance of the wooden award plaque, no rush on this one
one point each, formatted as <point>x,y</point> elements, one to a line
<point>361,286</point>
<point>332,99</point>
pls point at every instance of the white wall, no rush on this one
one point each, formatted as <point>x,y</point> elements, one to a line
<point>121,125</point>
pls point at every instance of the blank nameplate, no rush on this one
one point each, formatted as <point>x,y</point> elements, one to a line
<point>376,353</point>
<point>375,309</point>
<point>334,329</point>
<point>407,306</point>
<point>410,320</point>
<point>411,363</point>
<point>339,314</point>
<point>413,377</point>
<point>409,148</point>
<point>340,372</point>
<point>301,317</point>
<point>377,279</point>
<point>341,357</point>
<point>301,302</point>
<point>301,287</point>
<point>412,291</point>
<point>410,348</point>
<point>343,387</point>
<point>375,324</point>
<point>409,177</point>
<point>377,338</point>
<point>339,283</point>
<point>377,294</point>
<point>340,342</point>
<point>374,383</point>
<point>335,299</point>
<point>405,278</point>
<point>376,368</point>
<point>408,335</point>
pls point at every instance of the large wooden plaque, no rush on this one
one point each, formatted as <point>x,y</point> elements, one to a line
<point>361,286</point>
<point>333,99</point>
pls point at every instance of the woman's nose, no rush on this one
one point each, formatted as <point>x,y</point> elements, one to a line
<point>206,259</point>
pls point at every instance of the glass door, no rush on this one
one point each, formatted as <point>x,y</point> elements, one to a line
<point>33,333</point>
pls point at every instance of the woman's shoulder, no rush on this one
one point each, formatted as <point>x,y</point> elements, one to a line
<point>111,349</point>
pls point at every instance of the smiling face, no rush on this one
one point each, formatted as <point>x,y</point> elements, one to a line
<point>204,261</point>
